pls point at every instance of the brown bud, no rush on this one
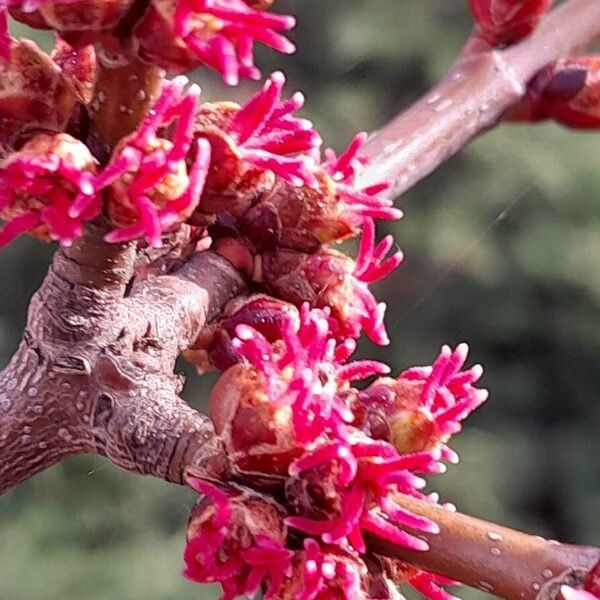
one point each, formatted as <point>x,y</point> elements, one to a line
<point>309,217</point>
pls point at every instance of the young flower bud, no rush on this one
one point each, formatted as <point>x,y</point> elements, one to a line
<point>423,408</point>
<point>502,22</point>
<point>34,93</point>
<point>236,537</point>
<point>180,35</point>
<point>567,91</point>
<point>39,184</point>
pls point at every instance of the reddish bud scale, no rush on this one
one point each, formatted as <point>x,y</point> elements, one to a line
<point>502,22</point>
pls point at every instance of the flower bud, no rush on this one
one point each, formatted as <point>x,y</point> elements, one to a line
<point>502,22</point>
<point>39,185</point>
<point>327,279</point>
<point>215,348</point>
<point>567,92</point>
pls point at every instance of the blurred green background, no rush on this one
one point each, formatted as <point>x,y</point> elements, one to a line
<point>503,251</point>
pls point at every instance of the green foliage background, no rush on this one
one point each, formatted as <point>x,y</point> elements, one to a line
<point>503,251</point>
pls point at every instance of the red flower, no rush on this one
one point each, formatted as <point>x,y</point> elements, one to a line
<point>254,143</point>
<point>235,538</point>
<point>424,407</point>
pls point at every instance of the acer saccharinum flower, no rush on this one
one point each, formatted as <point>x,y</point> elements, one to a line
<point>331,279</point>
<point>253,144</point>
<point>424,406</point>
<point>181,35</point>
<point>285,414</point>
<point>316,459</point>
<point>40,183</point>
<point>502,22</point>
<point>148,187</point>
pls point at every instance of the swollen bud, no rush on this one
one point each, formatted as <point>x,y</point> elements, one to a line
<point>503,22</point>
<point>567,91</point>
<point>34,93</point>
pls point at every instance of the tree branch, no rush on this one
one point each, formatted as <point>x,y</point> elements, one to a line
<point>473,96</point>
<point>94,372</point>
<point>495,559</point>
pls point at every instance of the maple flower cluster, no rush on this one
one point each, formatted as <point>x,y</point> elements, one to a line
<point>291,418</point>
<point>320,466</point>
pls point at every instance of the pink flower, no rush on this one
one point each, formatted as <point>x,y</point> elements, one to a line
<point>369,474</point>
<point>332,280</point>
<point>254,143</point>
<point>221,34</point>
<point>269,137</point>
<point>233,540</point>
<point>328,573</point>
<point>424,406</point>
<point>359,203</point>
<point>39,186</point>
<point>148,187</point>
<point>307,372</point>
